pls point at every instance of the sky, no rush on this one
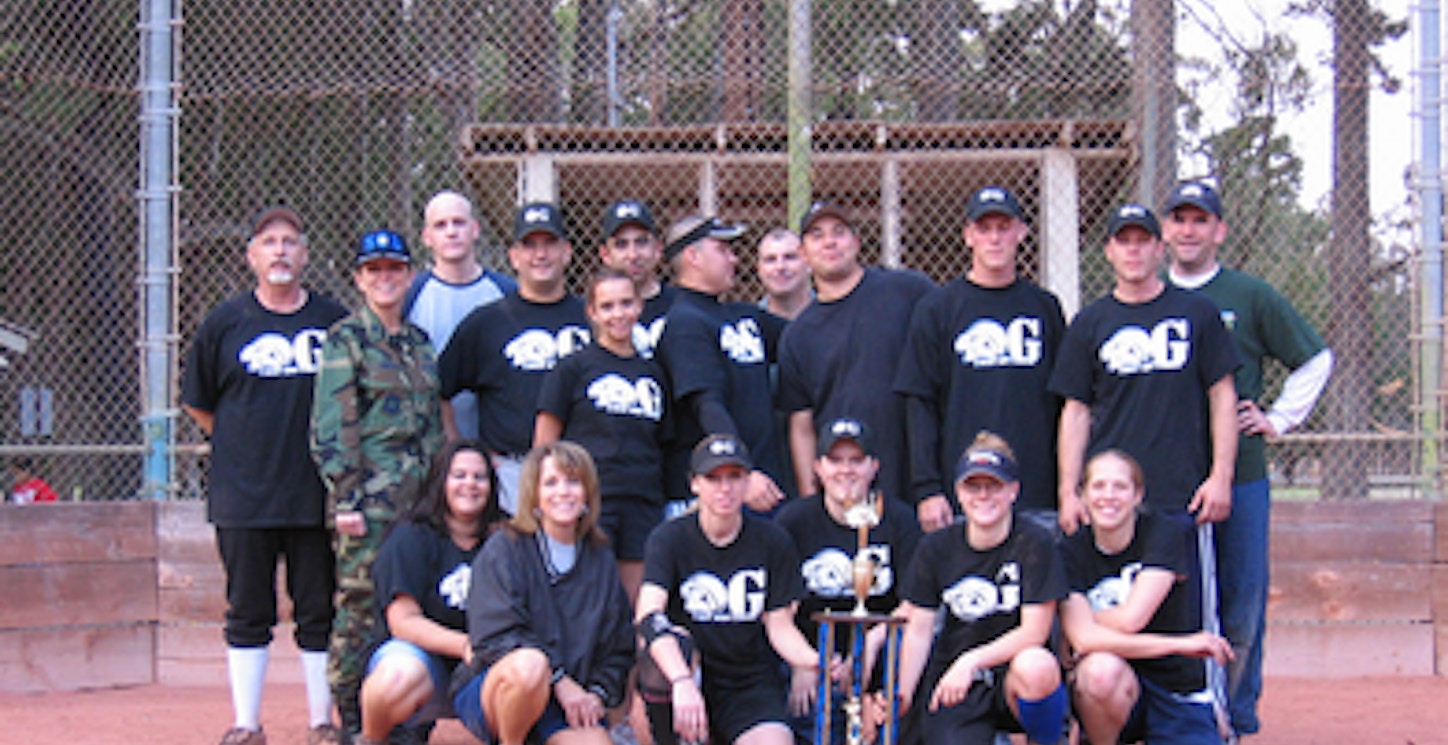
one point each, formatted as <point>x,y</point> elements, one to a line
<point>1392,123</point>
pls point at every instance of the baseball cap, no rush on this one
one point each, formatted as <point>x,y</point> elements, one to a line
<point>538,217</point>
<point>274,214</point>
<point>1133,215</point>
<point>844,428</point>
<point>993,200</point>
<point>1196,194</point>
<point>379,245</point>
<point>695,228</point>
<point>821,210</point>
<point>986,462</point>
<point>628,212</point>
<point>719,450</point>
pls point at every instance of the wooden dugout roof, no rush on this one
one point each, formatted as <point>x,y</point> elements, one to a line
<point>907,183</point>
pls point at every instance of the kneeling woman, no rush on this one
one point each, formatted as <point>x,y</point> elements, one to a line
<point>1132,616</point>
<point>997,579</point>
<point>421,575</point>
<point>726,583</point>
<point>548,619</point>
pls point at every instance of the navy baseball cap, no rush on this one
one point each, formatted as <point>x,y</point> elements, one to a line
<point>380,245</point>
<point>1196,194</point>
<point>986,462</point>
<point>820,210</point>
<point>1132,215</point>
<point>628,212</point>
<point>695,228</point>
<point>993,200</point>
<point>538,217</point>
<point>719,450</point>
<point>279,213</point>
<point>844,428</point>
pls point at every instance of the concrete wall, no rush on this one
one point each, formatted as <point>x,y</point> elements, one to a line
<point>98,595</point>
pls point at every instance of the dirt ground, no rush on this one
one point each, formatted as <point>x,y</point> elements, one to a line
<point>1296,711</point>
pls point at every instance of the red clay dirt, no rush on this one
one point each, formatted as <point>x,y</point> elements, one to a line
<point>1296,711</point>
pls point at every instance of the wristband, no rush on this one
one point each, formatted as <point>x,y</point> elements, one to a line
<point>558,674</point>
<point>680,679</point>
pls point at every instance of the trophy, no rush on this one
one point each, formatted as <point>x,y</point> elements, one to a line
<point>862,515</point>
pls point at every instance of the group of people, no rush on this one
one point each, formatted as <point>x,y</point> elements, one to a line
<point>526,509</point>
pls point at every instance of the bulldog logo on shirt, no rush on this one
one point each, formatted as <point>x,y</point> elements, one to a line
<point>975,597</point>
<point>538,350</point>
<point>1132,350</point>
<point>742,341</point>
<point>988,343</point>
<point>709,599</point>
<point>1113,591</point>
<point>273,355</point>
<point>830,573</point>
<point>646,338</point>
<point>614,394</point>
<point>453,587</point>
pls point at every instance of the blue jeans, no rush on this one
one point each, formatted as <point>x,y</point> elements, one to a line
<point>1243,577</point>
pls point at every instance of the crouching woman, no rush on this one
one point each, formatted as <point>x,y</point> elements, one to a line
<point>547,616</point>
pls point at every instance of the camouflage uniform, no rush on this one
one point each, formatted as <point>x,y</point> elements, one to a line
<point>376,424</point>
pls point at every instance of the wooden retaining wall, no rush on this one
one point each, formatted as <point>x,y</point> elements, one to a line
<point>99,595</point>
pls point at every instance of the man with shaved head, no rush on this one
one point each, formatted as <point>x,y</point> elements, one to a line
<point>455,284</point>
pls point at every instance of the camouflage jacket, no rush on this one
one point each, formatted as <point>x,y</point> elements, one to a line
<point>376,417</point>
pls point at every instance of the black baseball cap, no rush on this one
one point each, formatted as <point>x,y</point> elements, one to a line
<point>538,217</point>
<point>993,200</point>
<point>278,213</point>
<point>986,462</point>
<point>719,450</point>
<point>628,212</point>
<point>1133,215</point>
<point>381,245</point>
<point>695,228</point>
<point>1196,194</point>
<point>844,428</point>
<point>821,210</point>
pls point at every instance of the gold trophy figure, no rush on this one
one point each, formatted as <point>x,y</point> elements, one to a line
<point>864,514</point>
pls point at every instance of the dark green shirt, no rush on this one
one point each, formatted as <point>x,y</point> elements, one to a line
<point>376,417</point>
<point>1263,324</point>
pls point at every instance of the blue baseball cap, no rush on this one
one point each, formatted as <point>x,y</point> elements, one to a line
<point>380,245</point>
<point>1132,215</point>
<point>1196,194</point>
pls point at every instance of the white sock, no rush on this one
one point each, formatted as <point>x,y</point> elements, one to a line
<point>319,694</point>
<point>247,669</point>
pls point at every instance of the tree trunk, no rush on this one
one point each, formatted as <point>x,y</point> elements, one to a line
<point>1350,322</point>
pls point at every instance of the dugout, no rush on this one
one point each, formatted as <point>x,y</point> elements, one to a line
<point>907,183</point>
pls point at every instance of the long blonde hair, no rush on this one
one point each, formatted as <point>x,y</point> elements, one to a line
<point>572,460</point>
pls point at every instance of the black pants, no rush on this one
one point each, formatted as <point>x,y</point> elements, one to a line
<point>249,556</point>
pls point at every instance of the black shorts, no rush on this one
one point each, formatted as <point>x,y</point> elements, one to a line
<point>627,521</point>
<point>734,709</point>
<point>983,713</point>
<point>249,556</point>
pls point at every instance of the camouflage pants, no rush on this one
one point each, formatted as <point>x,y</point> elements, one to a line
<point>355,618</point>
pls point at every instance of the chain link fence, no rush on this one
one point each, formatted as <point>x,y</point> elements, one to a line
<point>355,113</point>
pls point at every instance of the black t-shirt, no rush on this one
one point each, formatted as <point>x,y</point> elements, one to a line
<point>838,359</point>
<point>1144,369</point>
<point>651,321</point>
<point>419,561</point>
<point>722,350</point>
<point>827,550</point>
<point>615,408</point>
<point>501,352</point>
<point>1161,542</point>
<point>981,593</point>
<point>980,358</point>
<point>720,594</point>
<point>254,370</point>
